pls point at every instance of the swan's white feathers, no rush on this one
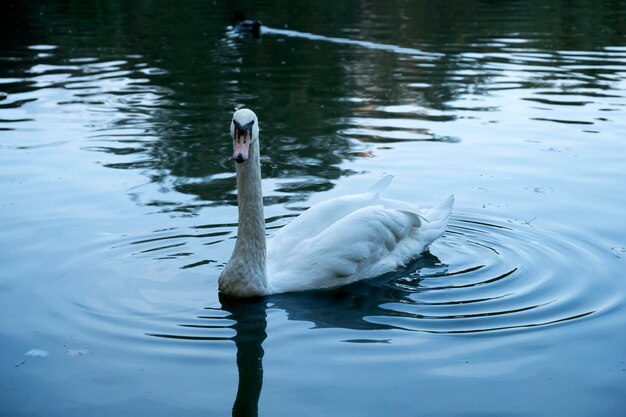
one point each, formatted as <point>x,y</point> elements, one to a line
<point>344,252</point>
<point>319,217</point>
<point>350,238</point>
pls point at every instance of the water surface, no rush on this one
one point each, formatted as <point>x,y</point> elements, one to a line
<point>118,207</point>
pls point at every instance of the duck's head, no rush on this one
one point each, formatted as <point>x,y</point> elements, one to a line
<point>244,130</point>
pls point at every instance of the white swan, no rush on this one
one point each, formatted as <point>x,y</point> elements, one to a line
<point>333,243</point>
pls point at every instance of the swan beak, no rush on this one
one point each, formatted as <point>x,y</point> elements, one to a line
<point>241,144</point>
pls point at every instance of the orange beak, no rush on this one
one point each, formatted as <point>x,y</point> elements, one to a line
<point>241,145</point>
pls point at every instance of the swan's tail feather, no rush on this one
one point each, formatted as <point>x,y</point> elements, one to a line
<point>380,185</point>
<point>438,217</point>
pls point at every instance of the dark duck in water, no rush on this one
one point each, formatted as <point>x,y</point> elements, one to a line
<point>241,24</point>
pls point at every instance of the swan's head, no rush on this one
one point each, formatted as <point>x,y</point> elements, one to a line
<point>244,130</point>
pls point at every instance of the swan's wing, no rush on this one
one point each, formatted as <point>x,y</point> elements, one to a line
<point>368,242</point>
<point>321,216</point>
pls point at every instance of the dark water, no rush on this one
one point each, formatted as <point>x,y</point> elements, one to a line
<point>118,207</point>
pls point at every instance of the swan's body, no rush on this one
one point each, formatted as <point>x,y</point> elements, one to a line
<point>339,241</point>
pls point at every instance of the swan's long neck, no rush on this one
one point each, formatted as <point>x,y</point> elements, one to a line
<point>245,273</point>
<point>251,234</point>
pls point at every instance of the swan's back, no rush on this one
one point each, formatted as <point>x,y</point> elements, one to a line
<point>350,238</point>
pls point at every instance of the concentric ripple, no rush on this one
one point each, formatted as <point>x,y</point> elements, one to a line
<point>495,275</point>
<point>484,275</point>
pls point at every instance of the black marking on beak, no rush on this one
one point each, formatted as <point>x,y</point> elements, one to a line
<point>241,131</point>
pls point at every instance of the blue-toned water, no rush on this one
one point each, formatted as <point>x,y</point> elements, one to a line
<point>118,207</point>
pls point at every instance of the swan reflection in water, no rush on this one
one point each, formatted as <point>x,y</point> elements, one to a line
<point>250,322</point>
<point>345,307</point>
